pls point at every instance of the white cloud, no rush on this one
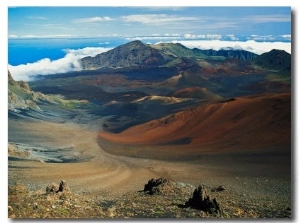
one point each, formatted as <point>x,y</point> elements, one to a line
<point>267,18</point>
<point>70,62</point>
<point>264,38</point>
<point>250,45</point>
<point>153,37</point>
<point>202,36</point>
<point>287,37</point>
<point>12,36</point>
<point>93,19</point>
<point>232,37</point>
<point>29,36</point>
<point>270,38</point>
<point>37,17</point>
<point>156,18</point>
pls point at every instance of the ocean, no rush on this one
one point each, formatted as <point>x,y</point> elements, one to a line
<point>23,51</point>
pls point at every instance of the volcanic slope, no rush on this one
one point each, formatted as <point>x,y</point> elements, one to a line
<point>138,54</point>
<point>252,122</point>
<point>132,54</point>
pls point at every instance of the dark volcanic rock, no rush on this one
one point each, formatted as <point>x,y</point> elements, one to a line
<point>62,186</point>
<point>218,189</point>
<point>154,186</point>
<point>201,201</point>
<point>54,188</point>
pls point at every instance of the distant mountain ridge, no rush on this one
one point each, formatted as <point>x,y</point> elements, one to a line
<point>132,54</point>
<point>239,54</point>
<point>178,50</point>
<point>138,54</point>
<point>274,60</point>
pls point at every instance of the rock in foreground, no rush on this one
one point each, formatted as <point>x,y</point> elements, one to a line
<point>202,201</point>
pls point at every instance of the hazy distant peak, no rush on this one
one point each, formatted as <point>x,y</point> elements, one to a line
<point>275,60</point>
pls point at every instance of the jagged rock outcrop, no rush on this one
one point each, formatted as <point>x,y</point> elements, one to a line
<point>20,96</point>
<point>54,188</point>
<point>166,187</point>
<point>155,186</point>
<point>201,200</point>
<point>21,84</point>
<point>11,81</point>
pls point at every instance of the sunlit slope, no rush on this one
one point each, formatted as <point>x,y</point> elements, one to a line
<point>263,120</point>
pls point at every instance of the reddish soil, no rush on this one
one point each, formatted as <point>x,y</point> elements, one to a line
<point>252,122</point>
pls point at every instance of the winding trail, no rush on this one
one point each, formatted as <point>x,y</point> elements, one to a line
<point>104,174</point>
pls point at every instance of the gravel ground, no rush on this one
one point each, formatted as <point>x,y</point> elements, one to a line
<point>167,203</point>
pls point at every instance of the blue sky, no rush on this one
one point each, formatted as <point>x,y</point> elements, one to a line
<point>187,22</point>
<point>256,29</point>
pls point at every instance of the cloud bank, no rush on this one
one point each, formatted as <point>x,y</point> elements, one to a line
<point>93,19</point>
<point>250,45</point>
<point>156,18</point>
<point>70,62</point>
